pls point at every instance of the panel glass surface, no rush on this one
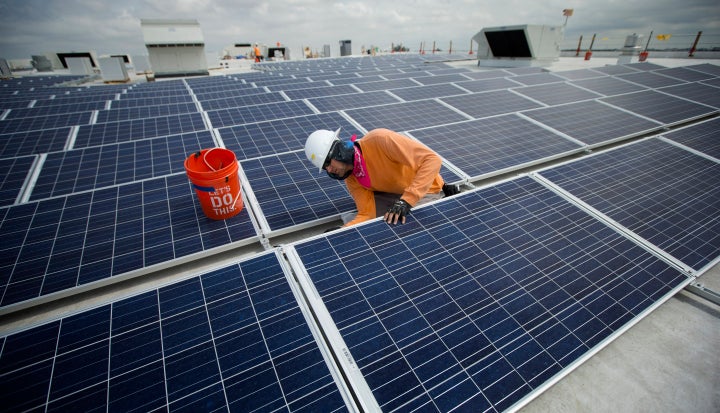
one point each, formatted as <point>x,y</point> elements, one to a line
<point>131,130</point>
<point>480,105</point>
<point>65,242</point>
<point>13,173</point>
<point>667,195</point>
<point>661,107</point>
<point>404,116</point>
<point>703,137</point>
<point>556,93</point>
<point>486,146</point>
<point>257,113</point>
<point>33,142</point>
<point>481,298</point>
<point>351,101</point>
<point>233,339</point>
<point>592,122</point>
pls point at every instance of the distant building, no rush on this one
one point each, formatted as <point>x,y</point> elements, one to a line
<point>175,47</point>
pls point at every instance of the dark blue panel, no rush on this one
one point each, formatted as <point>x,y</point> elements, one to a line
<point>490,145</point>
<point>350,101</point>
<point>295,193</point>
<point>405,116</point>
<point>131,130</point>
<point>257,113</point>
<point>669,196</point>
<point>556,93</point>
<point>33,142</point>
<point>480,105</point>
<point>14,171</point>
<point>61,243</point>
<point>458,310</point>
<point>703,137</point>
<point>44,122</point>
<point>592,122</point>
<point>169,350</point>
<point>663,108</point>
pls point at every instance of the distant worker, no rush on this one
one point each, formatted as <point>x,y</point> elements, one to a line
<point>387,173</point>
<point>258,53</point>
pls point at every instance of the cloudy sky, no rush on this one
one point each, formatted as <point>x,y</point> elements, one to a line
<point>30,27</point>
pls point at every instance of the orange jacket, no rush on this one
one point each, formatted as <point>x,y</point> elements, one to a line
<point>395,164</point>
<point>257,51</point>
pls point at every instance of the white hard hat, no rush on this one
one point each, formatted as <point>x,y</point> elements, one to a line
<point>318,146</point>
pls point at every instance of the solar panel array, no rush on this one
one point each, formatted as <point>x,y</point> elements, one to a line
<point>479,302</point>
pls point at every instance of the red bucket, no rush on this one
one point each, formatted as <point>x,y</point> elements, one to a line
<point>214,175</point>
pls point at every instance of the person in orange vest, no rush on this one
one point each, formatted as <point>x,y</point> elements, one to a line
<point>258,53</point>
<point>386,173</point>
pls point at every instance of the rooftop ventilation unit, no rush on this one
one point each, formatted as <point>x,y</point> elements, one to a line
<point>518,46</point>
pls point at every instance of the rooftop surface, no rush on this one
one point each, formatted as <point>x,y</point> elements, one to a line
<point>667,361</point>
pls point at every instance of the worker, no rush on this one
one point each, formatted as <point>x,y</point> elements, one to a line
<point>386,173</point>
<point>258,53</point>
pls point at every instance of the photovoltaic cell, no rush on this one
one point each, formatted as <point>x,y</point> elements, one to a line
<point>491,145</point>
<point>481,298</point>
<point>427,92</point>
<point>142,112</point>
<point>130,130</point>
<point>661,107</point>
<point>405,116</point>
<point>44,122</point>
<point>697,92</point>
<point>33,142</point>
<point>386,85</point>
<point>62,243</point>
<point>238,101</point>
<point>668,196</point>
<point>684,73</point>
<point>538,79</point>
<point>13,173</point>
<point>97,167</point>
<point>166,100</point>
<point>257,113</point>
<point>480,105</point>
<point>703,137</point>
<point>290,191</point>
<point>608,85</point>
<point>284,135</point>
<point>650,79</point>
<point>485,85</point>
<point>435,80</point>
<point>592,122</point>
<point>351,101</point>
<point>556,93</point>
<point>55,110</point>
<point>320,91</point>
<point>233,339</point>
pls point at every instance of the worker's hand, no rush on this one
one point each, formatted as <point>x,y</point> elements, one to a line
<point>450,189</point>
<point>397,211</point>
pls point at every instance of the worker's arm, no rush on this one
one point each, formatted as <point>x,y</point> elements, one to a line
<point>364,201</point>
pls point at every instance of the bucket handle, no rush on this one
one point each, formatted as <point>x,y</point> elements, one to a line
<point>205,159</point>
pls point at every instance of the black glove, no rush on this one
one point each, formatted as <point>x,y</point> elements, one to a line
<point>398,210</point>
<point>450,189</point>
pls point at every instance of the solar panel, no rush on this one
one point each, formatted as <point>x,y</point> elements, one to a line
<point>650,79</point>
<point>658,106</point>
<point>580,74</point>
<point>609,86</point>
<point>480,105</point>
<point>55,110</point>
<point>616,69</point>
<point>479,300</point>
<point>683,73</point>
<point>356,80</point>
<point>697,92</point>
<point>320,91</point>
<point>14,172</point>
<point>33,142</point>
<point>485,85</point>
<point>438,79</point>
<point>44,122</point>
<point>130,130</point>
<point>285,135</point>
<point>488,74</point>
<point>538,79</point>
<point>556,93</point>
<point>405,116</point>
<point>84,169</point>
<point>142,112</point>
<point>709,68</point>
<point>233,339</point>
<point>427,92</point>
<point>386,85</point>
<point>245,100</point>
<point>290,191</point>
<point>91,238</point>
<point>490,146</point>
<point>256,113</point>
<point>592,122</point>
<point>703,137</point>
<point>666,195</point>
<point>163,100</point>
<point>351,101</point>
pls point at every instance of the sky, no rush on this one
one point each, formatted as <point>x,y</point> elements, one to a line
<point>29,27</point>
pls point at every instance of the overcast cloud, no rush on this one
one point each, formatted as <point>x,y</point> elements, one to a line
<point>30,27</point>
